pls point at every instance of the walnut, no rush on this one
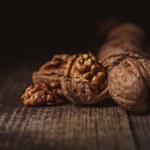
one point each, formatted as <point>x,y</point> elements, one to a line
<point>51,74</point>
<point>117,55</point>
<point>128,67</point>
<point>85,80</point>
<point>126,29</point>
<point>39,95</point>
<point>106,26</point>
<point>129,84</point>
<point>123,44</point>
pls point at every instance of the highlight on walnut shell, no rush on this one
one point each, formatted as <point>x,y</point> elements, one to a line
<point>129,84</point>
<point>85,80</point>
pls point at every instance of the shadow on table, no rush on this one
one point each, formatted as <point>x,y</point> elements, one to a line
<point>104,103</point>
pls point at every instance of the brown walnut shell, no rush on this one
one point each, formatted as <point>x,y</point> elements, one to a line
<point>52,72</point>
<point>129,84</point>
<point>111,46</point>
<point>106,26</point>
<point>126,29</point>
<point>116,55</point>
<point>85,81</point>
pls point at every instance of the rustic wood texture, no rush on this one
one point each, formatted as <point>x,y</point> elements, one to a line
<point>140,125</point>
<point>105,126</point>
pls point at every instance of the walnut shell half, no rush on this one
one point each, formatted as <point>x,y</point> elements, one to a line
<point>129,84</point>
<point>85,81</point>
<point>52,71</point>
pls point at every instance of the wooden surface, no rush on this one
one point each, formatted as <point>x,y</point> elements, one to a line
<point>106,126</point>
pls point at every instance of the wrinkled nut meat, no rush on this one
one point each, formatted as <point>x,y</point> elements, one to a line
<point>51,74</point>
<point>46,88</point>
<point>129,84</point>
<point>85,81</point>
<point>40,95</point>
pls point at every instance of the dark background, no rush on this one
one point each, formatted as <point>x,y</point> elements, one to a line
<point>30,30</point>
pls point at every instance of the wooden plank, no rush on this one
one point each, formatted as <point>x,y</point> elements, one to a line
<point>140,125</point>
<point>66,127</point>
<point>63,127</point>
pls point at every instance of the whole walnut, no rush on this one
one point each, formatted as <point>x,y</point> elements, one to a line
<point>129,84</point>
<point>41,94</point>
<point>128,67</point>
<point>85,80</point>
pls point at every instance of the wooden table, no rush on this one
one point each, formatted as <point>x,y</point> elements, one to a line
<point>105,126</point>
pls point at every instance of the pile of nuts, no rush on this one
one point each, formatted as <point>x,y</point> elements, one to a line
<point>120,71</point>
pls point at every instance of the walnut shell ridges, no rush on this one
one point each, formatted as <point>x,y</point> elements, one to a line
<point>115,57</point>
<point>51,72</point>
<point>129,84</point>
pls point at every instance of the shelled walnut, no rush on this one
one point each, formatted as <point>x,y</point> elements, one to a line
<point>41,94</point>
<point>128,67</point>
<point>46,88</point>
<point>85,81</point>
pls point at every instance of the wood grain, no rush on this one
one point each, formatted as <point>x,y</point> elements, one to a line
<point>65,127</point>
<point>140,125</point>
<point>105,126</point>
